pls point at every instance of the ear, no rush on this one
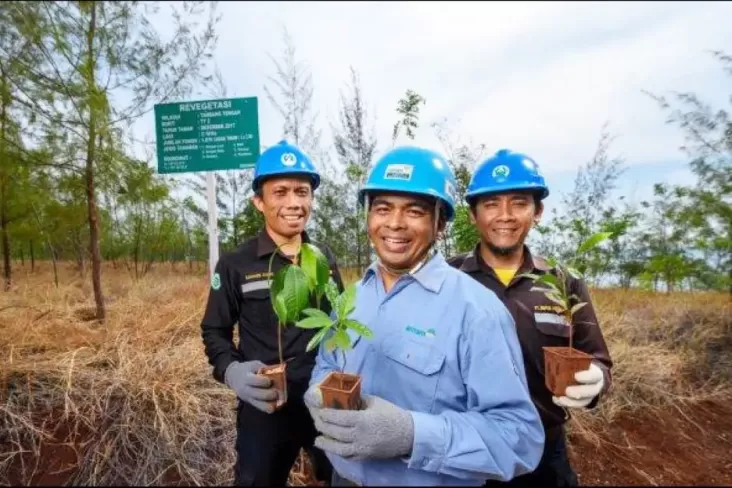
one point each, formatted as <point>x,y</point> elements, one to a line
<point>471,215</point>
<point>538,212</point>
<point>258,202</point>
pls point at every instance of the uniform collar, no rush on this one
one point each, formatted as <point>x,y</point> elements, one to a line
<point>430,276</point>
<point>530,262</point>
<point>266,246</point>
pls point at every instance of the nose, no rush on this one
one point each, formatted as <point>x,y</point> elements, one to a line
<point>395,221</point>
<point>293,201</point>
<point>505,211</point>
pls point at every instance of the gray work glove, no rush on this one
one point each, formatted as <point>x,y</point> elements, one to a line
<point>381,430</point>
<point>249,387</point>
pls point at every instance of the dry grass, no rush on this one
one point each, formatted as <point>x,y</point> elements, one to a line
<point>137,404</point>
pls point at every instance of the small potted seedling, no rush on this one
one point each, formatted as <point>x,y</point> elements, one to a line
<point>340,390</point>
<point>561,363</point>
<point>290,294</point>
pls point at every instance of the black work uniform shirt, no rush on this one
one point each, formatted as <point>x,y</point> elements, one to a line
<point>241,295</point>
<point>539,323</point>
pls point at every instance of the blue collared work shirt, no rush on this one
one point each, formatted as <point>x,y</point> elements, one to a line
<point>444,348</point>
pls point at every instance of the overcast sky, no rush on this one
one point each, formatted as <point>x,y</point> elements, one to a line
<point>535,77</point>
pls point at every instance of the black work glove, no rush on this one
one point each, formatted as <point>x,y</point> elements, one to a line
<point>250,387</point>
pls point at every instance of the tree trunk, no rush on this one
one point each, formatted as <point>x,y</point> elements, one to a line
<point>32,257</point>
<point>91,149</point>
<point>6,250</point>
<point>53,261</point>
<point>3,195</point>
<point>22,257</point>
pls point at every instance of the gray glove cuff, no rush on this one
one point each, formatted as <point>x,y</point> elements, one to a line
<point>404,423</point>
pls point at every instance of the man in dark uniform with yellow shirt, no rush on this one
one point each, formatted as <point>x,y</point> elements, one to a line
<point>505,196</point>
<point>267,441</point>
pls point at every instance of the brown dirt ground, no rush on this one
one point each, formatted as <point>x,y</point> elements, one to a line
<point>690,446</point>
<point>685,446</point>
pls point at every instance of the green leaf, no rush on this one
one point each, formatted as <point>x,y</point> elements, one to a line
<point>342,339</point>
<point>313,323</point>
<point>315,312</point>
<point>531,276</point>
<point>331,293</point>
<point>557,299</point>
<point>315,265</point>
<point>317,339</point>
<point>280,309</point>
<point>347,301</point>
<point>291,284</point>
<point>593,241</point>
<point>549,279</point>
<point>360,329</point>
<point>574,273</point>
<point>551,262</point>
<point>577,307</point>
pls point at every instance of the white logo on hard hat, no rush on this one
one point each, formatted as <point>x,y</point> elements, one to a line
<point>501,171</point>
<point>289,159</point>
<point>398,172</point>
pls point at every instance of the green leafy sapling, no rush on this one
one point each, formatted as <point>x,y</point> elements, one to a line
<point>316,267</point>
<point>555,287</point>
<point>289,294</point>
<point>338,325</point>
<point>291,289</point>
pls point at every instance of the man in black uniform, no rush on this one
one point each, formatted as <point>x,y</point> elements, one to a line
<point>505,195</point>
<point>267,441</point>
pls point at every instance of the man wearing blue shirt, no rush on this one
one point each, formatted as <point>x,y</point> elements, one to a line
<point>444,392</point>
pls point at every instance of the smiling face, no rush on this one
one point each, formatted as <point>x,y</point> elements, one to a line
<point>285,204</point>
<point>401,228</point>
<point>504,220</point>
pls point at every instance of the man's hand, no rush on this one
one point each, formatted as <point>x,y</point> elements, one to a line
<point>249,387</point>
<point>579,396</point>
<point>381,430</point>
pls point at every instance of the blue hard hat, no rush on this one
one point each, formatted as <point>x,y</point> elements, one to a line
<point>411,169</point>
<point>506,171</point>
<point>284,159</point>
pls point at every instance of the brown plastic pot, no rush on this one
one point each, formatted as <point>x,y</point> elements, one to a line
<point>278,374</point>
<point>341,391</point>
<point>560,365</point>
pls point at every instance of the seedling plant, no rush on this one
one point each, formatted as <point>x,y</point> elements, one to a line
<point>291,289</point>
<point>561,364</point>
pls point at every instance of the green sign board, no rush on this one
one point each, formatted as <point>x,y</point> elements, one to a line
<point>207,135</point>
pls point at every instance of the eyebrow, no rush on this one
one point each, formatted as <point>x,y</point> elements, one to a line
<point>283,186</point>
<point>413,203</point>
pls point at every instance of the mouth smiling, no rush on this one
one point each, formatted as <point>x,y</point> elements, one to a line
<point>293,219</point>
<point>396,244</point>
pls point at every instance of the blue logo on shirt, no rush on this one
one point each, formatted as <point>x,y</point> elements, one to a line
<point>420,332</point>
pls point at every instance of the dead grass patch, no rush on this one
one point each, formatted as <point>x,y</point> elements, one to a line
<point>133,401</point>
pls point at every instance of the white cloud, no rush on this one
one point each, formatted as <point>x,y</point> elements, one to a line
<point>538,77</point>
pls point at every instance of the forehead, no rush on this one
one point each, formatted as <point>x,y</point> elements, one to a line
<point>401,200</point>
<point>509,195</point>
<point>290,182</point>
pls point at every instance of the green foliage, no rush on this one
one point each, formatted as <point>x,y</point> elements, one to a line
<point>408,110</point>
<point>464,233</point>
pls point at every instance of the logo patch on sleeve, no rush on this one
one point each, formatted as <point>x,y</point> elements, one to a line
<point>216,281</point>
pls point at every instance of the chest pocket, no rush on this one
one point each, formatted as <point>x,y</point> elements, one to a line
<point>257,311</point>
<point>551,324</point>
<point>413,372</point>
